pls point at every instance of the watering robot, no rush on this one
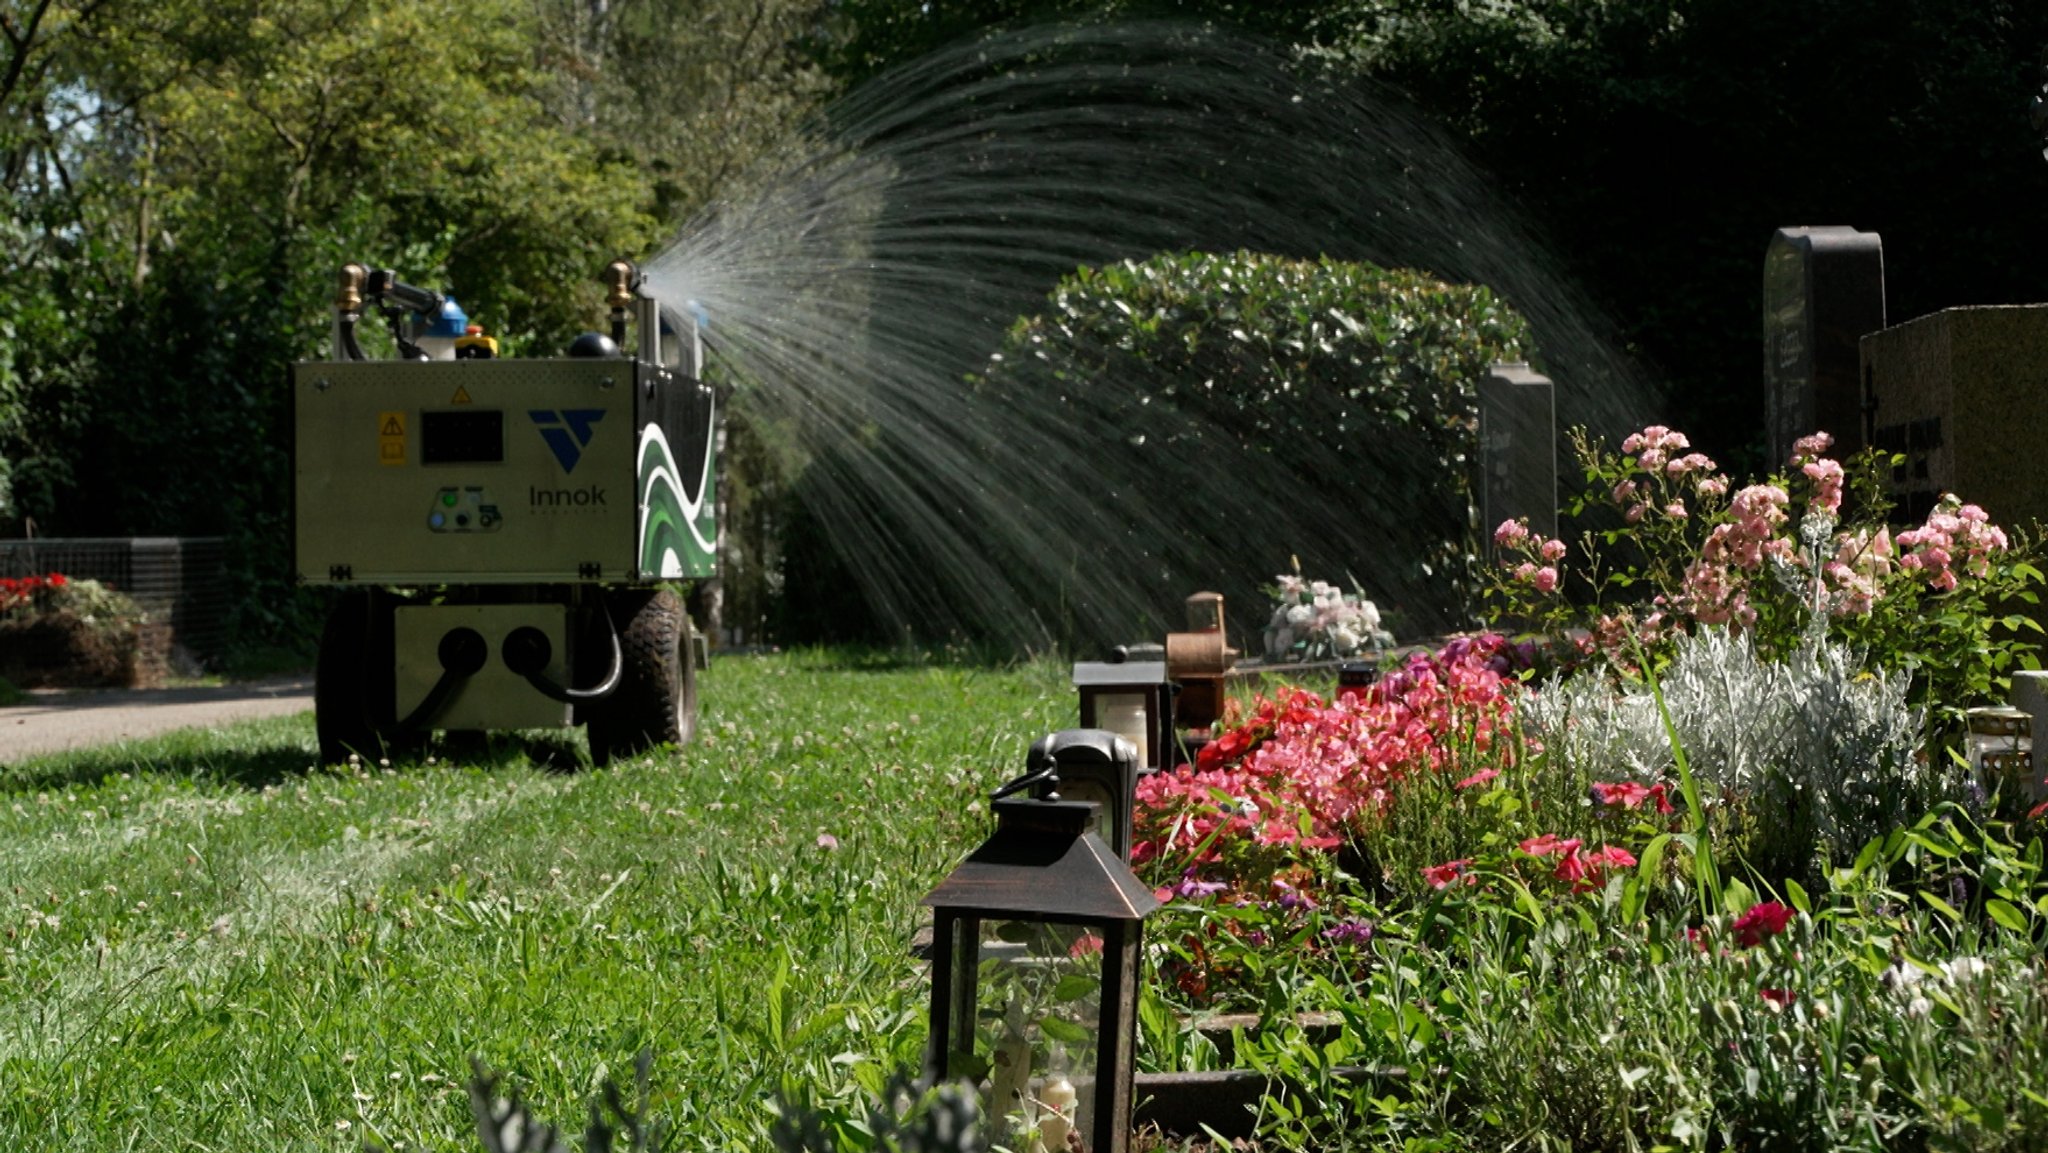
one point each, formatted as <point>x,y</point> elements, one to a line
<point>511,537</point>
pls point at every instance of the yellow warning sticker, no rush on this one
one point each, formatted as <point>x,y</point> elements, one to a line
<point>461,396</point>
<point>391,438</point>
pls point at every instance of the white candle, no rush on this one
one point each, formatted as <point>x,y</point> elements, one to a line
<point>1058,1096</point>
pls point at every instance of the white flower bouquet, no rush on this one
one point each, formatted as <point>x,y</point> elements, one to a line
<point>1316,620</point>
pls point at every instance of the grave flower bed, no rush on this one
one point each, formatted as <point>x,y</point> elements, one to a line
<point>59,632</point>
<point>1693,871</point>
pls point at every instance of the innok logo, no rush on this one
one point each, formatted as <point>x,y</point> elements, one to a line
<point>567,432</point>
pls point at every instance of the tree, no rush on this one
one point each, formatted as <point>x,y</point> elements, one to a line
<point>1661,141</point>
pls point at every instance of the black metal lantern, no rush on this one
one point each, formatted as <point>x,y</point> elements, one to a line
<point>1132,699</point>
<point>1035,954</point>
<point>1086,765</point>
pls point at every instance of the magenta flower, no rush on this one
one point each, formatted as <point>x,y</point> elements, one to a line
<point>1763,921</point>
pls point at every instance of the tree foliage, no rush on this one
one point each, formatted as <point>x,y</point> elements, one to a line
<point>185,177</point>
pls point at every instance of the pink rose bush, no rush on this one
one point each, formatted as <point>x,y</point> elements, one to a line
<point>1778,559</point>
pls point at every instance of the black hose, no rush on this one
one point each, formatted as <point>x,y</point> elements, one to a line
<point>463,653</point>
<point>604,688</point>
<point>437,698</point>
<point>350,349</point>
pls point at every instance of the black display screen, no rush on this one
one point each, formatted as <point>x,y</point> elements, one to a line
<point>462,436</point>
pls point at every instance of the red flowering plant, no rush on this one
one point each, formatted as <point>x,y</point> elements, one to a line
<point>55,630</point>
<point>20,596</point>
<point>1300,774</point>
<point>1786,559</point>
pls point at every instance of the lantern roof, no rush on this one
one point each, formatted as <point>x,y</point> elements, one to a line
<point>1045,862</point>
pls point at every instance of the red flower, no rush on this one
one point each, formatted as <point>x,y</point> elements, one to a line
<point>1086,945</point>
<point>1782,998</point>
<point>1447,874</point>
<point>1627,794</point>
<point>56,580</point>
<point>1574,867</point>
<point>1763,921</point>
<point>1698,937</point>
<point>1479,778</point>
<point>1550,845</point>
<point>1614,857</point>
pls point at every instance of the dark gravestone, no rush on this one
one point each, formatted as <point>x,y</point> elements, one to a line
<point>1517,449</point>
<point>1823,292</point>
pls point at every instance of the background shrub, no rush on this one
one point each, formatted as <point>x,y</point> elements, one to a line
<point>1261,405</point>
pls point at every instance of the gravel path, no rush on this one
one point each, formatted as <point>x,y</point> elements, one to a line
<point>55,720</point>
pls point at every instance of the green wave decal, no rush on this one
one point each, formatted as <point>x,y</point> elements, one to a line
<point>678,537</point>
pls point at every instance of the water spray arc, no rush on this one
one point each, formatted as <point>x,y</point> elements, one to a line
<point>862,278</point>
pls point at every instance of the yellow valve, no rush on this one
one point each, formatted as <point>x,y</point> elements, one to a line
<point>474,345</point>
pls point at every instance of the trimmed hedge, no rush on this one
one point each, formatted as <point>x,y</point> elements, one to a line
<point>1327,409</point>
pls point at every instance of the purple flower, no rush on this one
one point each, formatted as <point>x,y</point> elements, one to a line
<point>1350,931</point>
<point>1290,899</point>
<point>1190,885</point>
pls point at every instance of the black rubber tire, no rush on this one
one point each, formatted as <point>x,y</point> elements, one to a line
<point>656,701</point>
<point>353,683</point>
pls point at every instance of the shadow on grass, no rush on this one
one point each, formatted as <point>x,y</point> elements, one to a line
<point>242,761</point>
<point>248,764</point>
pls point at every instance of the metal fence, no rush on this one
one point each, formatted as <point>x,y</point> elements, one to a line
<point>179,580</point>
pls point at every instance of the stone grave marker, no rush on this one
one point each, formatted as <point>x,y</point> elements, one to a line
<point>1823,291</point>
<point>1963,395</point>
<point>1517,449</point>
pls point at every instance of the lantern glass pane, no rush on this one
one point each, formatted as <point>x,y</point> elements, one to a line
<point>1124,715</point>
<point>1038,1010</point>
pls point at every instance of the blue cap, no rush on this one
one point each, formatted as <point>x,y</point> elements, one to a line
<point>451,322</point>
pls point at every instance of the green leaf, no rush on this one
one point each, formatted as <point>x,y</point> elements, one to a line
<point>1065,1031</point>
<point>1075,986</point>
<point>1941,906</point>
<point>1797,896</point>
<point>2005,914</point>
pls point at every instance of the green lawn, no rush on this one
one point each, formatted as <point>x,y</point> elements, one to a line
<point>210,944</point>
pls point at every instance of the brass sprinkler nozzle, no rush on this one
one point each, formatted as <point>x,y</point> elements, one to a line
<point>349,298</point>
<point>618,279</point>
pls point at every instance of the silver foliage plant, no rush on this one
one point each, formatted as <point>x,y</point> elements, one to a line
<point>1818,752</point>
